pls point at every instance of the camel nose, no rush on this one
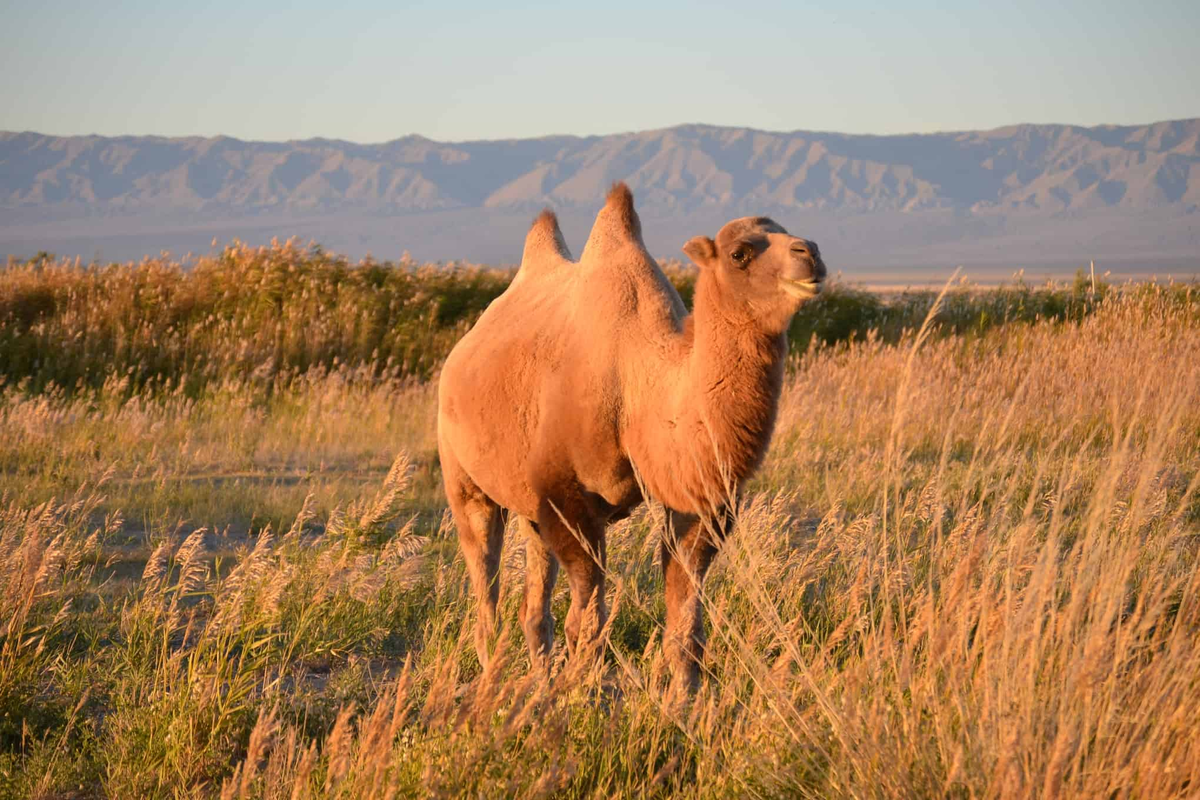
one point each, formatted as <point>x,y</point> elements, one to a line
<point>803,246</point>
<point>807,247</point>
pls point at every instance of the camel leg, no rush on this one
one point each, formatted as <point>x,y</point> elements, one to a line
<point>481,535</point>
<point>687,551</point>
<point>480,524</point>
<point>577,540</point>
<point>541,571</point>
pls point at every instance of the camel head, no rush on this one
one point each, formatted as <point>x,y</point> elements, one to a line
<point>761,267</point>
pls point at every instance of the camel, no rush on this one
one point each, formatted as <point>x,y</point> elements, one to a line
<point>586,386</point>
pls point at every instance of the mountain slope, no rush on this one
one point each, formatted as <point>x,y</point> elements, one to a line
<point>1043,167</point>
<point>689,176</point>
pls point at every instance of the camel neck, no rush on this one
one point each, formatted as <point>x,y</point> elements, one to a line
<point>736,376</point>
<point>697,428</point>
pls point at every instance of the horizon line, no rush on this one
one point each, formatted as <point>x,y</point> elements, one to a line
<point>583,137</point>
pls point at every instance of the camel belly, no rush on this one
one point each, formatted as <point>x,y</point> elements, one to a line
<point>521,479</point>
<point>592,461</point>
<point>520,467</point>
<point>528,419</point>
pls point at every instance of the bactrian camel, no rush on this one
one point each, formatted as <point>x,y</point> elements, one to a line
<point>587,383</point>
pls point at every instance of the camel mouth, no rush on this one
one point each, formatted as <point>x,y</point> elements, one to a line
<point>802,290</point>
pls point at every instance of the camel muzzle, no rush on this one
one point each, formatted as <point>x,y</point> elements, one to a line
<point>806,275</point>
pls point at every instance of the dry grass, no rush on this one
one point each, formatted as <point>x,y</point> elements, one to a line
<point>967,569</point>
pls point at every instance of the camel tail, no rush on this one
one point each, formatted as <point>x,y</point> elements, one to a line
<point>617,226</point>
<point>545,247</point>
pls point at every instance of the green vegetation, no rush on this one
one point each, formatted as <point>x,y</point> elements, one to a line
<point>970,565</point>
<point>259,313</point>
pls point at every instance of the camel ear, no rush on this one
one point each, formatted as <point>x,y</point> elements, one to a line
<point>702,250</point>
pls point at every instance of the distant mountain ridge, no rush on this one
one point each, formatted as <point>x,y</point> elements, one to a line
<point>682,174</point>
<point>1042,167</point>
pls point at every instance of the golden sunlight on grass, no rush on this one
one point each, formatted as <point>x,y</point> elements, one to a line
<point>969,568</point>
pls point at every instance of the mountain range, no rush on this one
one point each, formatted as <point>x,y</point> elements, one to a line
<point>1034,196</point>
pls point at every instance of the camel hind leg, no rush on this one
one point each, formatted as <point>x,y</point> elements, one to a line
<point>541,571</point>
<point>576,537</point>
<point>480,523</point>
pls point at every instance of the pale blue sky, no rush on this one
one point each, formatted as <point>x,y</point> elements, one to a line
<point>371,71</point>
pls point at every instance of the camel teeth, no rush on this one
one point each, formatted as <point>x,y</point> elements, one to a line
<point>802,289</point>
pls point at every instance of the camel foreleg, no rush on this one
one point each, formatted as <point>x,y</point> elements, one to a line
<point>688,549</point>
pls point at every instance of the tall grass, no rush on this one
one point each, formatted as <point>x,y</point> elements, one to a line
<point>243,452</point>
<point>969,567</point>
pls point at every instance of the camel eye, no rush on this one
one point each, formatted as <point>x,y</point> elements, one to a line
<point>739,256</point>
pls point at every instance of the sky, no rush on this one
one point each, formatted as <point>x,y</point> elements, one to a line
<point>370,71</point>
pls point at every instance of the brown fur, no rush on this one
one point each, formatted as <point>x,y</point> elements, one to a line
<point>544,245</point>
<point>585,381</point>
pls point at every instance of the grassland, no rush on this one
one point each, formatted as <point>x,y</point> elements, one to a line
<point>969,567</point>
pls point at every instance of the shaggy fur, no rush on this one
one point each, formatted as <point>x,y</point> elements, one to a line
<point>585,382</point>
